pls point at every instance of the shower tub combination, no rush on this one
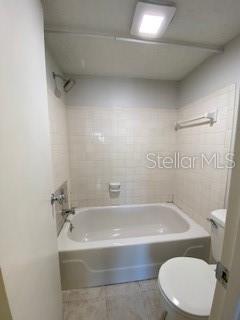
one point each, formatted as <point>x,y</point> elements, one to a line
<point>128,243</point>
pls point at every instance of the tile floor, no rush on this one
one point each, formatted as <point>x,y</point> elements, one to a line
<point>129,301</point>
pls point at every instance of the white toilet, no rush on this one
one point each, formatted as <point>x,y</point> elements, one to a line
<point>187,285</point>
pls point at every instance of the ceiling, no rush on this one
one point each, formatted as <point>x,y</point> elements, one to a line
<point>209,22</point>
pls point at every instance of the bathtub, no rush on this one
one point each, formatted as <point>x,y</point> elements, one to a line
<point>118,244</point>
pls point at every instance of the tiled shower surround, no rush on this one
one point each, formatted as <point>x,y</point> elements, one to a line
<point>199,191</point>
<point>110,145</point>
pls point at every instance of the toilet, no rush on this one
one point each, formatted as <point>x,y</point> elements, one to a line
<point>187,284</point>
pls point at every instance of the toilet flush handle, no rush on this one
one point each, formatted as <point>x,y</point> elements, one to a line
<point>213,223</point>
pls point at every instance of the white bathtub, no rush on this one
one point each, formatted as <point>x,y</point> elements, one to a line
<point>127,243</point>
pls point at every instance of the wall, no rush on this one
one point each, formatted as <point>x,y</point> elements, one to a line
<point>28,246</point>
<point>215,73</point>
<point>200,190</point>
<point>112,127</point>
<point>104,153</point>
<point>58,136</point>
<point>58,126</point>
<point>117,92</point>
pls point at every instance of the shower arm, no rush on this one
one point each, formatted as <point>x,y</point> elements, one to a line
<point>56,75</point>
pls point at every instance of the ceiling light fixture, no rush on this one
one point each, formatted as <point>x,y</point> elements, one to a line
<point>150,24</point>
<point>151,20</point>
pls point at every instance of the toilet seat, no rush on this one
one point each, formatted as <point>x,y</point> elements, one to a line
<point>189,285</point>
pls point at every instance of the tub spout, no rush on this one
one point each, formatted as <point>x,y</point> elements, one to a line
<point>70,225</point>
<point>66,212</point>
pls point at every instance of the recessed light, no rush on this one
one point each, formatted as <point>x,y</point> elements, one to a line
<point>151,20</point>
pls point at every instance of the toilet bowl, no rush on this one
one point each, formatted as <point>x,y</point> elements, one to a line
<point>187,287</point>
<point>187,284</point>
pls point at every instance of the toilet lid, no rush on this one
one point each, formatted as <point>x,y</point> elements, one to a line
<point>189,284</point>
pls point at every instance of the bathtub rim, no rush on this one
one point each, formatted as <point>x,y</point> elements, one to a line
<point>195,231</point>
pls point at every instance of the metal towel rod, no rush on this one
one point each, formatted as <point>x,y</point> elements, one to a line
<point>211,117</point>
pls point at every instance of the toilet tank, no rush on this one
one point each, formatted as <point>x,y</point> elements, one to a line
<point>218,219</point>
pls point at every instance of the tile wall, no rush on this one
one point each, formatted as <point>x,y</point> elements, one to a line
<point>60,151</point>
<point>110,145</point>
<point>59,207</point>
<point>58,137</point>
<point>59,140</point>
<point>199,191</point>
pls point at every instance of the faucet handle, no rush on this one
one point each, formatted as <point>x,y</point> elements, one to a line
<point>213,223</point>
<point>59,198</point>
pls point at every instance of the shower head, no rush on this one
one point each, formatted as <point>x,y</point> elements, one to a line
<point>67,84</point>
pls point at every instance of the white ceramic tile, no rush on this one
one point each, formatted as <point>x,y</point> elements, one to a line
<point>199,191</point>
<point>59,140</point>
<point>110,144</point>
